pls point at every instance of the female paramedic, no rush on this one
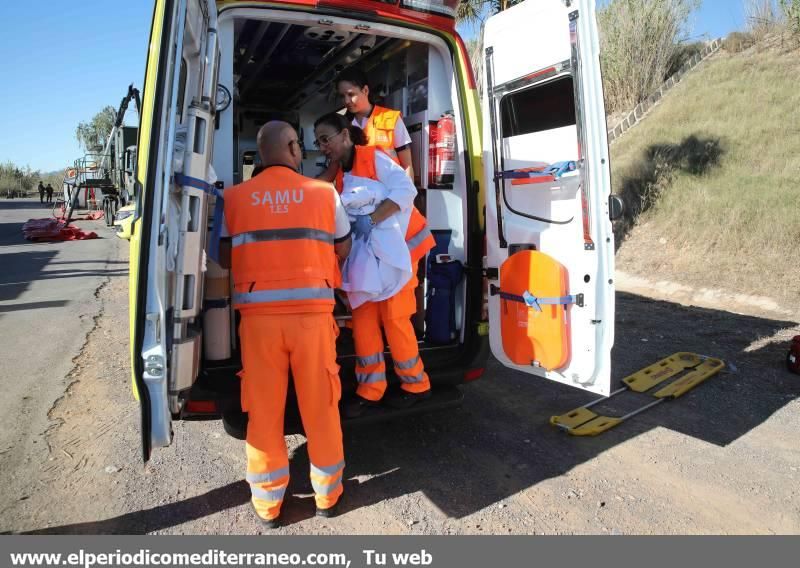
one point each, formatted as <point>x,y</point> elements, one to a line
<point>383,127</point>
<point>345,144</point>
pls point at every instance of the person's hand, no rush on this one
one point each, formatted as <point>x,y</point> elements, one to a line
<point>362,227</point>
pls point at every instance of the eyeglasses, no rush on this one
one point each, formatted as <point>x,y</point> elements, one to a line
<point>325,139</point>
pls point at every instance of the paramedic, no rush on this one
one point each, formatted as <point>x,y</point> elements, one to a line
<point>286,233</point>
<point>383,127</point>
<point>344,143</point>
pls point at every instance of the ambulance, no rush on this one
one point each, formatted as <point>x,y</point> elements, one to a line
<point>513,180</point>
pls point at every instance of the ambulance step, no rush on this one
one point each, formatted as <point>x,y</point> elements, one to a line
<point>235,421</point>
<point>441,398</point>
<point>695,368</point>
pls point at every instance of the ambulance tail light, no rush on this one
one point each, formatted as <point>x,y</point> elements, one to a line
<point>441,7</point>
<point>474,374</point>
<point>201,407</point>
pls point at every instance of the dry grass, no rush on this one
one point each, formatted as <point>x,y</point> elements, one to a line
<point>713,179</point>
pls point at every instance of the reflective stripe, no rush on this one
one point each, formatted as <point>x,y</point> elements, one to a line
<point>282,295</point>
<point>414,379</point>
<point>370,360</point>
<point>417,239</point>
<point>330,470</point>
<point>274,495</point>
<point>293,234</point>
<point>320,489</point>
<point>405,365</point>
<point>267,477</point>
<point>367,378</point>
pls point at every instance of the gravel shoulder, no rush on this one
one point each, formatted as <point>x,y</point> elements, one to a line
<point>722,459</point>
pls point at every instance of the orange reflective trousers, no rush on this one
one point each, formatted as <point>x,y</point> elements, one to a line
<point>272,344</point>
<point>394,315</point>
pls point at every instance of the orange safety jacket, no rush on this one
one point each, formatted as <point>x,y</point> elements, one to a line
<point>418,236</point>
<point>282,228</point>
<point>379,129</point>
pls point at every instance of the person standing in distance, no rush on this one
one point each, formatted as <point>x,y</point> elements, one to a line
<point>287,232</point>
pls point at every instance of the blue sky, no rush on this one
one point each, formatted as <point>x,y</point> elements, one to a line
<point>62,61</point>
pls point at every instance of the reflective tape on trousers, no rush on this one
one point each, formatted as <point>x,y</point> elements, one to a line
<point>405,365</point>
<point>414,379</point>
<point>321,489</point>
<point>273,495</point>
<point>329,470</point>
<point>267,476</point>
<point>282,295</point>
<point>417,239</point>
<point>293,234</point>
<point>370,360</point>
<point>367,378</point>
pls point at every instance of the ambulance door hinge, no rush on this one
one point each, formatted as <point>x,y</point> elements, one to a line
<point>491,273</point>
<point>573,15</point>
<point>579,300</point>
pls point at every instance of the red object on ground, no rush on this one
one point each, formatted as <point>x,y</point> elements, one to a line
<point>90,216</point>
<point>45,230</point>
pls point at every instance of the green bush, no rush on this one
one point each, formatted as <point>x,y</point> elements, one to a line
<point>638,43</point>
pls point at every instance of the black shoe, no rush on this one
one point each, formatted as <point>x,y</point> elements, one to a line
<point>266,523</point>
<point>406,399</point>
<point>356,406</point>
<point>329,512</point>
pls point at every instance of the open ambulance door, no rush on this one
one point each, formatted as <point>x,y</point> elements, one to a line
<point>550,247</point>
<point>170,224</point>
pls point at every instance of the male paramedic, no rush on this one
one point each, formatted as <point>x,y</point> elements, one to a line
<point>286,233</point>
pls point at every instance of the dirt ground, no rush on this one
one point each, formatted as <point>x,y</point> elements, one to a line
<point>722,459</point>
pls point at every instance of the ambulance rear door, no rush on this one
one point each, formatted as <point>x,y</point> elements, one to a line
<point>550,247</point>
<point>173,182</point>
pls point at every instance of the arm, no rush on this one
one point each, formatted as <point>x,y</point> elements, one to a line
<point>342,248</point>
<point>404,156</point>
<point>330,172</point>
<point>401,189</point>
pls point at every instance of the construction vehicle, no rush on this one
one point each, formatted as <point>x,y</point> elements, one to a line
<point>110,172</point>
<point>536,242</point>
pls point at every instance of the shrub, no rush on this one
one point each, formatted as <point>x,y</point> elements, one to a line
<point>638,41</point>
<point>738,41</point>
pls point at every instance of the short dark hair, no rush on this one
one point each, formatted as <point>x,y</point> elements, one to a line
<point>341,122</point>
<point>353,75</point>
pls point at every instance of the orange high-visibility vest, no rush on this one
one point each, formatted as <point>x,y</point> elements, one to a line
<point>418,236</point>
<point>282,228</point>
<point>379,129</point>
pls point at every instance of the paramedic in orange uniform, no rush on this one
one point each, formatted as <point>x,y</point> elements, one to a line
<point>344,143</point>
<point>286,233</point>
<point>383,127</point>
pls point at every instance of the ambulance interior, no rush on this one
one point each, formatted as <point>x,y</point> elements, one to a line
<point>284,68</point>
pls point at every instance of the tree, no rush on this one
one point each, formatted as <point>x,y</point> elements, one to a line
<point>92,135</point>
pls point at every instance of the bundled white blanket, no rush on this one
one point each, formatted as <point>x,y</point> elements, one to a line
<point>379,267</point>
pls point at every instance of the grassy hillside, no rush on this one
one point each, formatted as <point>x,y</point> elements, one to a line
<point>711,179</point>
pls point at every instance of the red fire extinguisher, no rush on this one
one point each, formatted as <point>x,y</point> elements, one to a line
<point>443,152</point>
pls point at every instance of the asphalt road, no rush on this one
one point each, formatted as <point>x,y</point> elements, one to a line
<point>722,459</point>
<point>48,304</point>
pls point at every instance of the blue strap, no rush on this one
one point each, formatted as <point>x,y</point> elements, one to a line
<point>187,181</point>
<point>219,208</point>
<point>536,303</point>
